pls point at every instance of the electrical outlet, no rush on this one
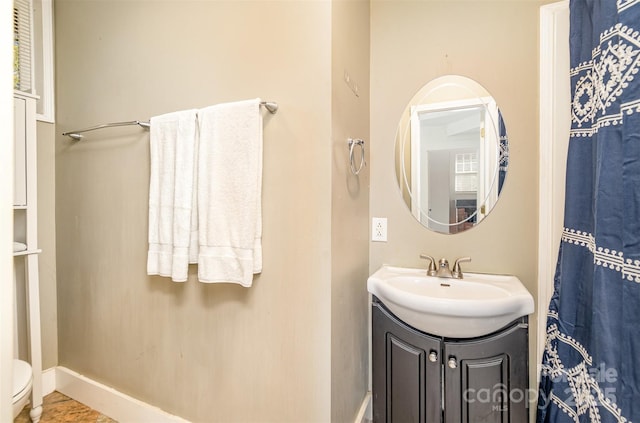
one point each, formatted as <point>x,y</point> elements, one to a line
<point>379,229</point>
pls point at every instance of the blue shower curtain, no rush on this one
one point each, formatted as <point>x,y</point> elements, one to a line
<point>591,366</point>
<point>503,156</point>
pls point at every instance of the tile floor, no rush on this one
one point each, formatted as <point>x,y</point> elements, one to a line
<point>59,408</point>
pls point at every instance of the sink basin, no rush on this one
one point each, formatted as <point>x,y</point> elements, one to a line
<point>474,306</point>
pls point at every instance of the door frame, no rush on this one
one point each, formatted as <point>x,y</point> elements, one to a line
<point>420,180</point>
<point>554,122</point>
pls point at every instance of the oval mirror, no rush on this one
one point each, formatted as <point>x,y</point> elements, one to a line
<point>451,154</point>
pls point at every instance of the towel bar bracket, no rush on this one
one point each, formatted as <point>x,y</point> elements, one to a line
<point>270,106</point>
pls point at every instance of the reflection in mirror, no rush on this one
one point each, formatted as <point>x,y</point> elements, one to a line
<point>451,154</point>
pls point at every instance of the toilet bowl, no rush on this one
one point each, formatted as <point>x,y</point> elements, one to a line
<point>22,380</point>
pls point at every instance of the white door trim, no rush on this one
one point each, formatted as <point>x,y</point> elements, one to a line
<point>553,23</point>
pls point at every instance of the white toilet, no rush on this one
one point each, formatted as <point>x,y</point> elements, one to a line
<point>22,380</point>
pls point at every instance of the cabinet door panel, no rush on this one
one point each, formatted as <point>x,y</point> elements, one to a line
<point>488,378</point>
<point>406,384</point>
<point>405,380</point>
<point>486,404</point>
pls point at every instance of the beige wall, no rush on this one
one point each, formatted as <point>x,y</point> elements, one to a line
<point>349,210</point>
<point>205,352</point>
<point>47,243</point>
<point>496,44</point>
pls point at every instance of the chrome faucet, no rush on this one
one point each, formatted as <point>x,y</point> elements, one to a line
<point>443,270</point>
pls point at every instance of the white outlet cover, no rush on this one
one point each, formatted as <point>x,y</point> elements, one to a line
<point>379,229</point>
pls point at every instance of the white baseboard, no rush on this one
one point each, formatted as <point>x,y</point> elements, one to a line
<point>108,401</point>
<point>124,408</point>
<point>48,381</point>
<point>365,414</point>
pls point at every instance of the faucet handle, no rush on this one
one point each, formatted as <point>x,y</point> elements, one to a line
<point>431,271</point>
<point>457,271</point>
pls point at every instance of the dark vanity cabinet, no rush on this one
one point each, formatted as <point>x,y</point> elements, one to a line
<point>406,371</point>
<point>419,377</point>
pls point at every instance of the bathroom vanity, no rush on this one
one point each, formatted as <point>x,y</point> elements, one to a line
<point>419,377</point>
<point>450,346</point>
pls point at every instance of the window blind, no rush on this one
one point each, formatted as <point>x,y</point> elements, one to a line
<point>22,46</point>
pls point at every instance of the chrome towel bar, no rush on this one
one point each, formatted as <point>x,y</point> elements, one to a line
<point>76,134</point>
<point>271,106</point>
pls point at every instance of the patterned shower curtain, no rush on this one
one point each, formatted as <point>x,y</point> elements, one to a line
<point>503,155</point>
<point>591,365</point>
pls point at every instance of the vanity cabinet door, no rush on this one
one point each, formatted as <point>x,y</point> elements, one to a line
<point>406,371</point>
<point>486,379</point>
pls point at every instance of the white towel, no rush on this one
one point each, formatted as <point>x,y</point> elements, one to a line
<point>173,146</point>
<point>229,192</point>
<point>19,246</point>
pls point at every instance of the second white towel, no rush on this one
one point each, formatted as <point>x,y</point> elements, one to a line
<point>229,192</point>
<point>172,218</point>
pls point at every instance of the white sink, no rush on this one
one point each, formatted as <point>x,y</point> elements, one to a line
<point>474,306</point>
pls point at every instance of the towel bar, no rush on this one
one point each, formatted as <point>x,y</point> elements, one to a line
<point>271,106</point>
<point>76,134</point>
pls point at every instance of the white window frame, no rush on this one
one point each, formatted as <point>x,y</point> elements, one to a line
<point>43,47</point>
